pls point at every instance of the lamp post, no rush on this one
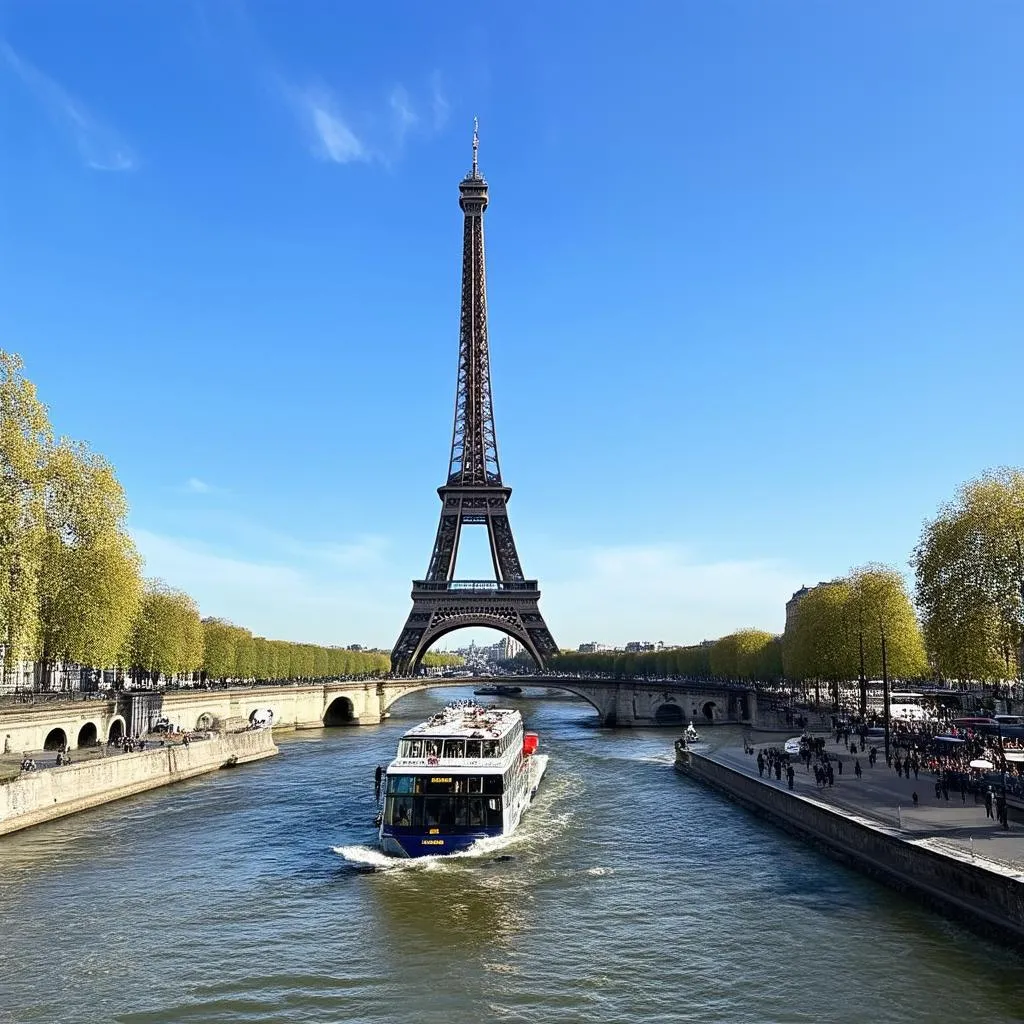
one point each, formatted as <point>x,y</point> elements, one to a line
<point>885,696</point>
<point>1004,817</point>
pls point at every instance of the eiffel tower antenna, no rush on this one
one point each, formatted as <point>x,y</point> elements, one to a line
<point>474,494</point>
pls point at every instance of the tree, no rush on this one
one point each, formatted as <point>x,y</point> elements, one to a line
<point>168,635</point>
<point>970,579</point>
<point>724,657</point>
<point>758,656</point>
<point>245,656</point>
<point>25,435</point>
<point>883,610</point>
<point>220,648</point>
<point>818,643</point>
<point>88,579</point>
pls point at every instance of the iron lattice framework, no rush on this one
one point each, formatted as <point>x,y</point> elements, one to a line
<point>474,493</point>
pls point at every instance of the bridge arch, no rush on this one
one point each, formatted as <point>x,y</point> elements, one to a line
<point>668,714</point>
<point>88,736</point>
<point>55,739</point>
<point>341,711</point>
<point>708,710</point>
<point>393,692</point>
<point>115,732</point>
<point>498,619</point>
<point>204,722</point>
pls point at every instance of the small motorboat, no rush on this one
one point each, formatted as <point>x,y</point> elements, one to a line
<point>691,735</point>
<point>498,690</point>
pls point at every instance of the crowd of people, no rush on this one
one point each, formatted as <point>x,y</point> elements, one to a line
<point>965,758</point>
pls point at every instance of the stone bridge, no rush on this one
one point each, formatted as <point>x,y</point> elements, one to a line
<point>75,723</point>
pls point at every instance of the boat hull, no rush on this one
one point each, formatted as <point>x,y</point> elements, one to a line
<point>420,845</point>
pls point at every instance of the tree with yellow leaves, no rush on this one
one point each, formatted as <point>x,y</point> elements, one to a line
<point>88,581</point>
<point>25,435</point>
<point>970,579</point>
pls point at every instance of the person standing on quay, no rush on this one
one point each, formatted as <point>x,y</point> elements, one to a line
<point>760,764</point>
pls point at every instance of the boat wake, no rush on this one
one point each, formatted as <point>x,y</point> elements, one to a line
<point>369,858</point>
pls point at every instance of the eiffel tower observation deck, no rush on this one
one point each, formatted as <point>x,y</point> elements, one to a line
<point>474,493</point>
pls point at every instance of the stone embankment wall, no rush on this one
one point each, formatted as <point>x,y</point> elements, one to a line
<point>978,892</point>
<point>40,796</point>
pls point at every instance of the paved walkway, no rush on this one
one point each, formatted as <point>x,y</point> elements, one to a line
<point>10,764</point>
<point>882,795</point>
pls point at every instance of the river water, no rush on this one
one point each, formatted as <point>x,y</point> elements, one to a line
<point>631,895</point>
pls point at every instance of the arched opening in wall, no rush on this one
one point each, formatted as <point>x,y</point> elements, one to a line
<point>340,712</point>
<point>87,735</point>
<point>116,732</point>
<point>204,722</point>
<point>55,739</point>
<point>669,714</point>
<point>709,710</point>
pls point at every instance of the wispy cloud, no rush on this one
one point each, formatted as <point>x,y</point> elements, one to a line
<point>332,136</point>
<point>378,132</point>
<point>196,486</point>
<point>438,102</point>
<point>100,146</point>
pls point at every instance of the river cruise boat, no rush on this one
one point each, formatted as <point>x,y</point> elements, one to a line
<point>467,773</point>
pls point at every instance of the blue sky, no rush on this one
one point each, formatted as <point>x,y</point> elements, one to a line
<point>754,281</point>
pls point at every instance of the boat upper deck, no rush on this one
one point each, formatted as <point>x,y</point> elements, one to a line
<point>467,720</point>
<point>464,736</point>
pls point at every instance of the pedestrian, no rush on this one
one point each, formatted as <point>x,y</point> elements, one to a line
<point>988,804</point>
<point>913,796</point>
<point>789,776</point>
<point>760,764</point>
<point>857,770</point>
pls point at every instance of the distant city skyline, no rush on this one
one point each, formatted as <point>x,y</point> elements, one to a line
<point>754,296</point>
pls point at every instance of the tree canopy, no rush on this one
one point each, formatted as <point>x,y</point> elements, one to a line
<point>970,579</point>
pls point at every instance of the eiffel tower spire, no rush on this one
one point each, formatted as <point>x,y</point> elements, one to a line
<point>474,458</point>
<point>474,494</point>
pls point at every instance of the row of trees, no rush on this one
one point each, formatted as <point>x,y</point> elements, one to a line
<point>71,586</point>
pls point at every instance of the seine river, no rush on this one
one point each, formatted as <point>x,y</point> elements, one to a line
<point>630,895</point>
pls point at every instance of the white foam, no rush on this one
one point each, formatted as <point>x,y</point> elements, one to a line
<point>377,860</point>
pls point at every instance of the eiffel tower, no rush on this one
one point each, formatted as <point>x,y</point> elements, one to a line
<point>474,493</point>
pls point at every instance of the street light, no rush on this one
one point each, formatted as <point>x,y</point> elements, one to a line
<point>885,696</point>
<point>1004,817</point>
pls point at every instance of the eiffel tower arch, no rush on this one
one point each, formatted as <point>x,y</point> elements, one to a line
<point>474,494</point>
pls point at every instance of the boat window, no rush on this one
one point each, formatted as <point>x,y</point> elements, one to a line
<point>491,748</point>
<point>412,748</point>
<point>473,748</point>
<point>473,784</point>
<point>432,748</point>
<point>447,814</point>
<point>454,748</point>
<point>401,783</point>
<point>493,784</point>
